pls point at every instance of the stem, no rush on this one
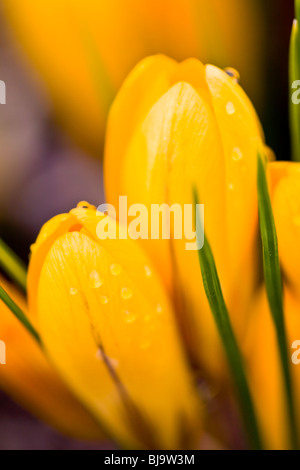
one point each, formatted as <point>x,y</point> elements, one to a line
<point>235,360</point>
<point>19,314</point>
<point>273,282</point>
<point>13,266</point>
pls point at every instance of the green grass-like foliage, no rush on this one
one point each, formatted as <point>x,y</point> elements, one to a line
<point>19,314</point>
<point>294,73</point>
<point>273,283</point>
<point>220,313</point>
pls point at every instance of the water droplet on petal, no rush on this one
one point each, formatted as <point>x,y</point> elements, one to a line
<point>103,300</point>
<point>237,154</point>
<point>73,291</point>
<point>230,108</point>
<point>129,316</point>
<point>233,73</point>
<point>126,293</point>
<point>159,308</point>
<point>85,205</point>
<point>95,280</point>
<point>231,187</point>
<point>115,269</point>
<point>148,271</point>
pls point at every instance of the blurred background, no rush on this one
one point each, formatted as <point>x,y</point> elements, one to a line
<point>63,61</point>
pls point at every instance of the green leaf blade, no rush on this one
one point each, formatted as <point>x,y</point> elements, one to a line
<point>19,314</point>
<point>13,266</point>
<point>294,76</point>
<point>274,287</point>
<point>219,310</point>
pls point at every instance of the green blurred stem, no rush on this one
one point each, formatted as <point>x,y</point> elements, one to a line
<point>273,282</point>
<point>19,314</point>
<point>294,77</point>
<point>13,266</point>
<point>220,313</point>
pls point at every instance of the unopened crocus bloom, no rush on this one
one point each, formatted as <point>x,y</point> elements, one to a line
<point>174,128</point>
<point>261,349</point>
<point>109,329</point>
<point>84,49</point>
<point>29,378</point>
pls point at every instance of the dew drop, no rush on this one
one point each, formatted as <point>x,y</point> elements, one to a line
<point>230,108</point>
<point>129,316</point>
<point>103,300</point>
<point>73,291</point>
<point>159,308</point>
<point>95,280</point>
<point>237,154</point>
<point>115,269</point>
<point>85,205</point>
<point>126,293</point>
<point>231,187</point>
<point>233,73</point>
<point>148,271</point>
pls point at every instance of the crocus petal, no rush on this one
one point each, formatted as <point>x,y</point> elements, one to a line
<point>174,140</point>
<point>32,382</point>
<point>265,372</point>
<point>202,133</point>
<point>241,136</point>
<point>110,331</point>
<point>49,232</point>
<point>284,180</point>
<point>151,74</point>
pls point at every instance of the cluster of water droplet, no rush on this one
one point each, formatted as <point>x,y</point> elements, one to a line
<point>95,282</point>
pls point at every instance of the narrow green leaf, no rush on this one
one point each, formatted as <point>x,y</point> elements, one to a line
<point>294,78</point>
<point>219,310</point>
<point>273,282</point>
<point>13,266</point>
<point>294,75</point>
<point>297,9</point>
<point>19,314</point>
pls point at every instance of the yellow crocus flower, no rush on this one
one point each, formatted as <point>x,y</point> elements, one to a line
<point>84,49</point>
<point>177,126</point>
<point>29,378</point>
<point>108,327</point>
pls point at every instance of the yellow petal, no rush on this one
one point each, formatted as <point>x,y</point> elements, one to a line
<point>265,372</point>
<point>30,380</point>
<point>285,189</point>
<point>50,231</point>
<point>90,298</point>
<point>175,139</point>
<point>151,74</point>
<point>202,132</point>
<point>241,136</point>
